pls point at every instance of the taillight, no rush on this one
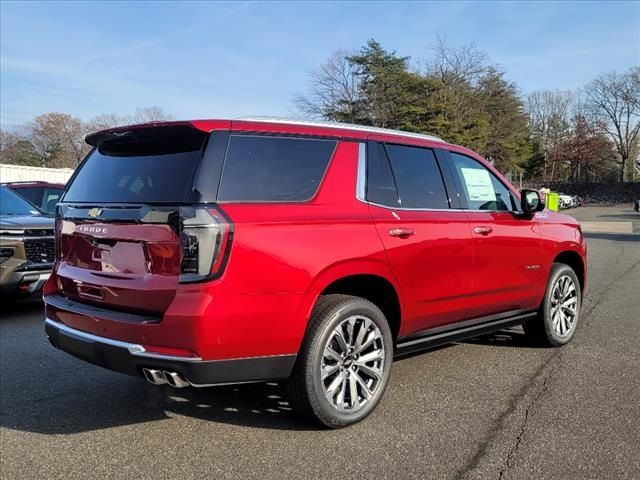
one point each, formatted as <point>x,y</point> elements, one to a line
<point>205,240</point>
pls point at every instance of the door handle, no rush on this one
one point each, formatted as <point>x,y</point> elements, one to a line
<point>402,232</point>
<point>482,230</point>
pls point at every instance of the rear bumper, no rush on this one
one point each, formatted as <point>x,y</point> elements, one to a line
<point>24,282</point>
<point>131,358</point>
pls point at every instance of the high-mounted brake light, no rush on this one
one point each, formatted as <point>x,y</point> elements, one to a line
<point>205,236</point>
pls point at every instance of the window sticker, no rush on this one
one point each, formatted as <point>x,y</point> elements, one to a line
<point>479,185</point>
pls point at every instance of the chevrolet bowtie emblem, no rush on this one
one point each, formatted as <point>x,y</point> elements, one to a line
<point>95,212</point>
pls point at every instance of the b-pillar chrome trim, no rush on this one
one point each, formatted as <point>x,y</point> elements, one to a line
<point>362,172</point>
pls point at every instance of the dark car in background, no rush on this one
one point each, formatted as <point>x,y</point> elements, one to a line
<point>43,195</point>
<point>26,245</point>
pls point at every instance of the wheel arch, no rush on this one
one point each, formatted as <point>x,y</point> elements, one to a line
<point>574,260</point>
<point>371,280</point>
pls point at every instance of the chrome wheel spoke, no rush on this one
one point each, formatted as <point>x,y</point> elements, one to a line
<point>371,371</point>
<point>353,392</point>
<point>329,370</point>
<point>342,342</point>
<point>364,327</point>
<point>370,357</point>
<point>365,389</point>
<point>335,385</point>
<point>332,354</point>
<point>372,337</point>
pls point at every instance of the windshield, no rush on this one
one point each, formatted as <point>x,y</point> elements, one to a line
<point>13,204</point>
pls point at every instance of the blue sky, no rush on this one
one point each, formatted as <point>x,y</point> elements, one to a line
<point>209,59</point>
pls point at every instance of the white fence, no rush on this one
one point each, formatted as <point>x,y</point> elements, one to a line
<point>21,173</point>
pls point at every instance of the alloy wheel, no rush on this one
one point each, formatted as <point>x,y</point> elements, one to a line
<point>352,364</point>
<point>564,306</point>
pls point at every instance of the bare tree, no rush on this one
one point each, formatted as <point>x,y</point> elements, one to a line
<point>457,65</point>
<point>335,90</point>
<point>614,101</point>
<point>550,114</point>
<point>58,138</point>
<point>106,120</point>
<point>150,114</point>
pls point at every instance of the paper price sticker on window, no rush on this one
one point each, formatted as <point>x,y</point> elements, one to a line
<point>479,185</point>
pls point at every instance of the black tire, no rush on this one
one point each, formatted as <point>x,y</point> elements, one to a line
<point>541,330</point>
<point>305,387</point>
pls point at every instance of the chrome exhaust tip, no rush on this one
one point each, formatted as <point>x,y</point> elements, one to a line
<point>175,379</point>
<point>154,376</point>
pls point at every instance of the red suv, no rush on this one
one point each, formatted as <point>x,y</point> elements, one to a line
<point>213,252</point>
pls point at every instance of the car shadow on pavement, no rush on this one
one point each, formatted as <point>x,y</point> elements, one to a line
<point>123,401</point>
<point>512,337</point>
<point>46,391</point>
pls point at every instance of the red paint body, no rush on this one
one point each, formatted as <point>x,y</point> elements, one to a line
<point>284,255</point>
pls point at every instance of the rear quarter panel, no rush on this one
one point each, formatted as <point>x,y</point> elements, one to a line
<point>283,256</point>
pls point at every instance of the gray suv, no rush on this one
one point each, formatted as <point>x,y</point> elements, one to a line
<point>27,249</point>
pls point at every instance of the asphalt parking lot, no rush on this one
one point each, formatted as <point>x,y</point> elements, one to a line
<point>490,408</point>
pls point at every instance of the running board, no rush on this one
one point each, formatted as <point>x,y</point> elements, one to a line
<point>472,328</point>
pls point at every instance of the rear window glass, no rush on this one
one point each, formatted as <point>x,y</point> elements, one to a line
<point>155,167</point>
<point>273,169</point>
<point>32,194</point>
<point>381,187</point>
<point>418,177</point>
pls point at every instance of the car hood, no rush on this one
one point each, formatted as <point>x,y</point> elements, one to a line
<point>550,216</point>
<point>26,221</point>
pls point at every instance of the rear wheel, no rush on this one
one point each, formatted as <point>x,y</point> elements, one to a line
<point>560,309</point>
<point>344,364</point>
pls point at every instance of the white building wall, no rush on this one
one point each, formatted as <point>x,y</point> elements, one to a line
<point>22,173</point>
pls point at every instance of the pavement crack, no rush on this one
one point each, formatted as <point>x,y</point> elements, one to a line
<point>513,451</point>
<point>499,424</point>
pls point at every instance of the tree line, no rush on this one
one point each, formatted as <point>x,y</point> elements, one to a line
<point>589,134</point>
<point>57,139</point>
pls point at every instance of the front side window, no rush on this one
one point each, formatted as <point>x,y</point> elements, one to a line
<point>481,188</point>
<point>418,177</point>
<point>273,169</point>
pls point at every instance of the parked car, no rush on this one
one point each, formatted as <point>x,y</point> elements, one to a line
<point>26,246</point>
<point>43,195</point>
<point>565,201</point>
<point>213,252</point>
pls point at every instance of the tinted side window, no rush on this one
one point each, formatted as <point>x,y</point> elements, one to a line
<point>418,177</point>
<point>273,169</point>
<point>481,188</point>
<point>381,187</point>
<point>33,194</point>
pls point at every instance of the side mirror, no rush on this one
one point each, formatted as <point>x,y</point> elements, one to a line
<point>531,201</point>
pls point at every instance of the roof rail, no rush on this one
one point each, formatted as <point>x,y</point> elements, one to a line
<point>350,126</point>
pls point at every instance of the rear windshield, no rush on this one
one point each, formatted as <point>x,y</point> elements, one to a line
<point>153,166</point>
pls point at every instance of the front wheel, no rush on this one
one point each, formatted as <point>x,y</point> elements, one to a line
<point>344,364</point>
<point>560,309</point>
